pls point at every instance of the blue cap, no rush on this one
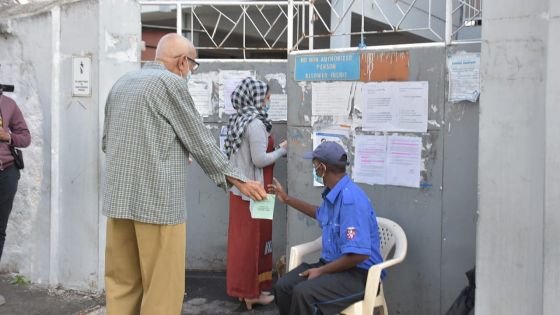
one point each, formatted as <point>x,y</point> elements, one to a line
<point>329,152</point>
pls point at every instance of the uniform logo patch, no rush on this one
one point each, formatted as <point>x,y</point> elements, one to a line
<point>351,233</point>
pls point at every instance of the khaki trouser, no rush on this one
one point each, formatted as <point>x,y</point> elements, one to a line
<point>144,268</point>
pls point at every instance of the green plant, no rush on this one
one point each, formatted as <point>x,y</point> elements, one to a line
<point>19,280</point>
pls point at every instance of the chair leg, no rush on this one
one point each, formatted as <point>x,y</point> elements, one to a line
<point>384,310</point>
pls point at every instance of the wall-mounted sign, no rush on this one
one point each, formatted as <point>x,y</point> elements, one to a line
<point>81,76</point>
<point>331,67</point>
<point>464,76</point>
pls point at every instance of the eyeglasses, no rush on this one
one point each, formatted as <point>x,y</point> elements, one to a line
<point>195,64</point>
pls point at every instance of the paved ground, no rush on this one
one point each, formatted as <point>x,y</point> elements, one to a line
<point>205,295</point>
<point>33,300</point>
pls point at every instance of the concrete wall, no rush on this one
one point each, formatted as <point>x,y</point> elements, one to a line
<point>56,233</point>
<point>518,256</point>
<point>439,219</point>
<point>551,268</point>
<point>27,241</point>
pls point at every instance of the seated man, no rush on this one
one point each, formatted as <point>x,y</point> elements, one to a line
<point>350,241</point>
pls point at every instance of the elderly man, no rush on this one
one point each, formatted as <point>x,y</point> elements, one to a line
<point>350,241</point>
<point>151,127</point>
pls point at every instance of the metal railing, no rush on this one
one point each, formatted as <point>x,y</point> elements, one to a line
<point>263,25</point>
<point>395,14</point>
<point>294,24</point>
<point>435,20</point>
<point>472,11</point>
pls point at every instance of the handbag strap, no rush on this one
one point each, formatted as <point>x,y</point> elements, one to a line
<point>1,116</point>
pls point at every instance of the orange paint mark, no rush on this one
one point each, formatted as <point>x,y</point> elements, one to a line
<point>384,66</point>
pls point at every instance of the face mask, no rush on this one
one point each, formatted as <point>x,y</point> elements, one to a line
<point>317,178</point>
<point>188,76</point>
<point>266,106</point>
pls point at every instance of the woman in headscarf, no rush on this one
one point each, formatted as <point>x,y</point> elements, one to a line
<point>250,147</point>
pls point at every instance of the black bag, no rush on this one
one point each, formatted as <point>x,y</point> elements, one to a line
<point>18,157</point>
<point>464,303</point>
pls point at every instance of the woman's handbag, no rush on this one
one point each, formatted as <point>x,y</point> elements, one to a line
<point>18,157</point>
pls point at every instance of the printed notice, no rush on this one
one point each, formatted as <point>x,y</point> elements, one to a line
<point>223,136</point>
<point>464,77</point>
<point>201,93</point>
<point>229,80</point>
<point>337,67</point>
<point>395,106</point>
<point>370,159</point>
<point>278,107</point>
<point>331,98</point>
<point>335,135</point>
<point>263,209</point>
<point>404,161</point>
<point>81,76</point>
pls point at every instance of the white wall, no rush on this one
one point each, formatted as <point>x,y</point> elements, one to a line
<point>27,241</point>
<point>519,224</point>
<point>551,303</point>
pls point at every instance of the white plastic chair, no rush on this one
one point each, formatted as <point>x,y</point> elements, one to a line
<point>391,235</point>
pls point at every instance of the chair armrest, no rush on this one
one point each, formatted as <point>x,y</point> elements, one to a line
<point>390,263</point>
<point>297,252</point>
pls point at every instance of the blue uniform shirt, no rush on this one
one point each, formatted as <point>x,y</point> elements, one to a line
<point>349,224</point>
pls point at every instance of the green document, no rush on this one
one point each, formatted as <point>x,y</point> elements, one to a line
<point>263,209</point>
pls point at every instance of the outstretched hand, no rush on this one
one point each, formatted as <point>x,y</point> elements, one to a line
<point>276,188</point>
<point>253,189</point>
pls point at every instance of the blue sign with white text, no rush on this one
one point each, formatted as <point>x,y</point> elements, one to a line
<point>335,67</point>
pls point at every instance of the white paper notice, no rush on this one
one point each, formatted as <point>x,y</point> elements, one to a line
<point>223,136</point>
<point>81,76</point>
<point>370,159</point>
<point>378,108</point>
<point>336,135</point>
<point>403,161</point>
<point>395,106</point>
<point>464,77</point>
<point>278,107</point>
<point>331,98</point>
<point>201,93</point>
<point>229,80</point>
<point>412,106</point>
<point>359,96</point>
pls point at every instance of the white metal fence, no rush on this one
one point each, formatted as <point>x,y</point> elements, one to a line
<point>295,24</point>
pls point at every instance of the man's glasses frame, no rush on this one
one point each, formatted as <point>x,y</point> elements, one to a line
<point>196,64</point>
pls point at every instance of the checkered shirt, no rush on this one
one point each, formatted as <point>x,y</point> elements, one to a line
<point>151,126</point>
